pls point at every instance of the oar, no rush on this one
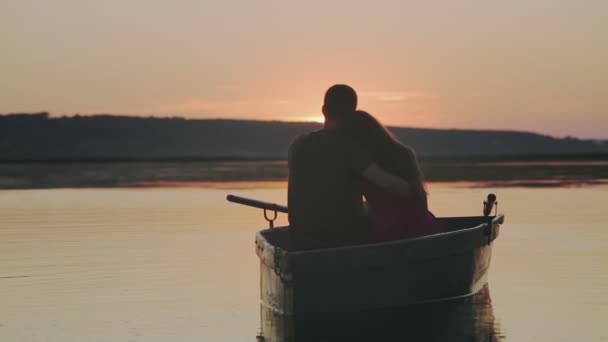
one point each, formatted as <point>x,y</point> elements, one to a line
<point>266,206</point>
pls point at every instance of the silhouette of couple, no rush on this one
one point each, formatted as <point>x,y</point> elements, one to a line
<point>330,170</point>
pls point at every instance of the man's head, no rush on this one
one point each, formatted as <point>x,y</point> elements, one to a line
<point>340,100</point>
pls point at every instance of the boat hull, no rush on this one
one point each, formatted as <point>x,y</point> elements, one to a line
<point>330,281</point>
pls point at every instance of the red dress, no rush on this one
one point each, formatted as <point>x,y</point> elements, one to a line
<point>394,218</point>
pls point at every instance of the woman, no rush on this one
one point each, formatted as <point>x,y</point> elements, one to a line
<point>392,217</point>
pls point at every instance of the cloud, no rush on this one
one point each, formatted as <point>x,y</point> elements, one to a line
<point>227,87</point>
<point>282,102</point>
<point>398,96</point>
<point>203,105</point>
<point>224,107</point>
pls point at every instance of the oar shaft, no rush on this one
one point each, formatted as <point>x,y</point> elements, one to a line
<point>257,204</point>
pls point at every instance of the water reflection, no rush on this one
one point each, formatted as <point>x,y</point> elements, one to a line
<point>178,264</point>
<point>542,183</point>
<point>470,319</point>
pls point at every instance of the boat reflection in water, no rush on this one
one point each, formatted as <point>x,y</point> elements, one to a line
<point>465,319</point>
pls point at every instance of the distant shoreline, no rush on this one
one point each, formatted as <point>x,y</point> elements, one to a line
<point>484,158</point>
<point>39,138</point>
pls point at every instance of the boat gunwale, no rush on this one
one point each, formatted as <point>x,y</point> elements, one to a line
<point>282,260</point>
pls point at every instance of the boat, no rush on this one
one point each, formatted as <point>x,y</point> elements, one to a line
<point>374,276</point>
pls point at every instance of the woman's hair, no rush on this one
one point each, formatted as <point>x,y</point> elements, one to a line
<point>385,149</point>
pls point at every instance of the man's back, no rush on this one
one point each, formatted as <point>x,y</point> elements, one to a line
<point>325,205</point>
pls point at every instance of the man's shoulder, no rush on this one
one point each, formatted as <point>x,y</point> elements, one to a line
<point>303,138</point>
<point>306,139</point>
<point>298,142</point>
<point>320,136</point>
<point>318,144</point>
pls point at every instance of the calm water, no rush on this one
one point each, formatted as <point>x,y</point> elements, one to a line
<point>178,264</point>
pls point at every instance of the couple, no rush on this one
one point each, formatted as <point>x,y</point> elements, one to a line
<point>352,156</point>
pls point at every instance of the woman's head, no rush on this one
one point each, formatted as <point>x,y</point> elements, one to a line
<point>385,149</point>
<point>365,129</point>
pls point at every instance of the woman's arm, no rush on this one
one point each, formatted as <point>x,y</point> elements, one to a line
<point>387,181</point>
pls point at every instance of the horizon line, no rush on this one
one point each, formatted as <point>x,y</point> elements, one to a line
<point>49,115</point>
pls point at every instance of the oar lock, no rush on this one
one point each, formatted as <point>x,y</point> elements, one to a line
<point>490,203</point>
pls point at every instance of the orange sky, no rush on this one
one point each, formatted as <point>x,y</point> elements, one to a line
<point>537,66</point>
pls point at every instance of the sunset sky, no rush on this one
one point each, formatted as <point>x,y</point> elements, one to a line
<point>538,66</point>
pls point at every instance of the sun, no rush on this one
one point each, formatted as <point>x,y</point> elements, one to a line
<point>310,118</point>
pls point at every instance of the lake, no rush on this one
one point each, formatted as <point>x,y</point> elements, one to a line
<point>177,263</point>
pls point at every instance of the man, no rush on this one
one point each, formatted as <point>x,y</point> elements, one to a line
<point>325,169</point>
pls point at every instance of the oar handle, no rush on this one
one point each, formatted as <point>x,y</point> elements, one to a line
<point>257,204</point>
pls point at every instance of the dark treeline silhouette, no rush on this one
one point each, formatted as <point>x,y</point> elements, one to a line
<point>105,137</point>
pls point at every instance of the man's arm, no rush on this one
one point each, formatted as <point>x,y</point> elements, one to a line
<point>387,181</point>
<point>363,165</point>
